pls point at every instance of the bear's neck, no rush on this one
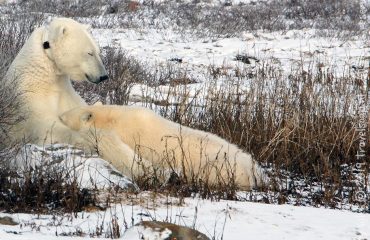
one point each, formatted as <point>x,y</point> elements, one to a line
<point>38,74</point>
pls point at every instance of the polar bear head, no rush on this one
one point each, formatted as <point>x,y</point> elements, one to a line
<point>96,116</point>
<point>75,54</point>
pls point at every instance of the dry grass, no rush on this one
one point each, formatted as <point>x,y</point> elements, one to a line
<point>181,178</point>
<point>299,125</point>
<point>41,189</point>
<point>347,17</point>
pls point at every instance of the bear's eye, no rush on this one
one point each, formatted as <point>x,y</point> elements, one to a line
<point>91,54</point>
<point>88,117</point>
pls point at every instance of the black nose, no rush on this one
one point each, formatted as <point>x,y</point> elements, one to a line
<point>103,78</point>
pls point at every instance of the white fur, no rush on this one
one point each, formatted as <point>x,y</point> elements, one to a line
<point>156,138</point>
<point>43,76</point>
<point>44,82</point>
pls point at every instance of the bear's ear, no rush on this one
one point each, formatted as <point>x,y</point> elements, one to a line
<point>52,35</point>
<point>60,31</point>
<point>86,116</point>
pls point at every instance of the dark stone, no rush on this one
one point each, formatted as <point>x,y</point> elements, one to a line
<point>178,232</point>
<point>7,221</point>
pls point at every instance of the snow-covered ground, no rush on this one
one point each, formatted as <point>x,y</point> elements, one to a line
<point>233,220</point>
<point>290,51</point>
<point>228,219</point>
<point>287,49</point>
<point>90,171</point>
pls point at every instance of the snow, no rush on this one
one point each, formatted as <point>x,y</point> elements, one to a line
<point>288,51</point>
<point>230,219</point>
<point>91,172</point>
<point>243,219</point>
<point>293,51</point>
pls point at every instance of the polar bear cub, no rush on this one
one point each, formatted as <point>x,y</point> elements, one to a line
<point>156,139</point>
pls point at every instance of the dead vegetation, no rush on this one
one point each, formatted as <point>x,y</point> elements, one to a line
<point>41,190</point>
<point>301,126</point>
<point>342,18</point>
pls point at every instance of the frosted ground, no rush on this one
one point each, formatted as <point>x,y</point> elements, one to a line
<point>287,50</point>
<point>233,220</point>
<point>159,42</point>
<point>223,219</point>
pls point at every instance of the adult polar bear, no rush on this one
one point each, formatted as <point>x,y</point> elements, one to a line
<point>198,153</point>
<point>42,70</point>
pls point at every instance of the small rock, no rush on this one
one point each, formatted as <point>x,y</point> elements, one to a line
<point>245,59</point>
<point>7,221</point>
<point>179,60</point>
<point>228,3</point>
<point>154,230</point>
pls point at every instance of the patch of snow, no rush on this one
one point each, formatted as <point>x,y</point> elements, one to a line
<point>91,172</point>
<point>241,220</point>
<point>287,49</point>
